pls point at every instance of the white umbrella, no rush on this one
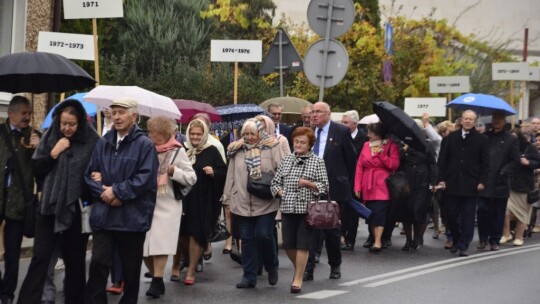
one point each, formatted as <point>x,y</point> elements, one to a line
<point>373,118</point>
<point>150,104</point>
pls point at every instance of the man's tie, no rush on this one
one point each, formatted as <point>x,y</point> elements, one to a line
<point>465,135</point>
<point>317,142</point>
<point>16,134</point>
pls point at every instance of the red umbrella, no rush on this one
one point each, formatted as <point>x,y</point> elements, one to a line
<point>192,107</point>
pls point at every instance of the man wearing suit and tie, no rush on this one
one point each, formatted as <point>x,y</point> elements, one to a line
<point>463,173</point>
<point>276,110</point>
<point>349,222</point>
<point>334,145</point>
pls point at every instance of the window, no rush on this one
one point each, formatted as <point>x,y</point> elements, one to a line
<point>12,26</point>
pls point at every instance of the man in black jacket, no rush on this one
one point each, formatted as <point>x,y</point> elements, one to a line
<point>349,223</point>
<point>463,173</point>
<point>504,158</point>
<point>334,145</point>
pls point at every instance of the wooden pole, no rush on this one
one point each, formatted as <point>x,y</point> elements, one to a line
<point>449,110</point>
<point>235,83</point>
<point>512,101</point>
<point>96,71</point>
<point>235,98</point>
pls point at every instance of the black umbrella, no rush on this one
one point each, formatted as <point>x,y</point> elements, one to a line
<point>40,72</point>
<point>401,125</point>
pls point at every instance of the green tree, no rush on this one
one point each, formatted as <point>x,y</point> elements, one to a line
<point>370,13</point>
<point>422,48</point>
<point>159,30</point>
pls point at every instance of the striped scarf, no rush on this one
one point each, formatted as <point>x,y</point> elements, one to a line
<point>253,151</point>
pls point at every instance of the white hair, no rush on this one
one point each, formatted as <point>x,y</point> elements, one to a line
<point>353,115</point>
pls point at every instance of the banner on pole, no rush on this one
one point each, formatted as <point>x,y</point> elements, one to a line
<point>236,51</point>
<point>72,46</point>
<point>449,84</point>
<point>416,107</point>
<point>77,9</point>
<point>510,71</point>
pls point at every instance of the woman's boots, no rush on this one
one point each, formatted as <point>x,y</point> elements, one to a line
<point>157,288</point>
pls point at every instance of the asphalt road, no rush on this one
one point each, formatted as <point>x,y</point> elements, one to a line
<point>431,274</point>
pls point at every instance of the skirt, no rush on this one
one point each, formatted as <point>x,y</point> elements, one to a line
<point>517,205</point>
<point>379,209</point>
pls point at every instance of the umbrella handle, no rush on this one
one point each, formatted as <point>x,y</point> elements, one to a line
<point>25,145</point>
<point>29,146</point>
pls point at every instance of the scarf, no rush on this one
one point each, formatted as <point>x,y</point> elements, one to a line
<point>192,151</point>
<point>165,152</point>
<point>253,151</point>
<point>377,146</point>
<point>62,187</point>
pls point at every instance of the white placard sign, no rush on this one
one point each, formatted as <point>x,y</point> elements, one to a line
<point>510,71</point>
<point>416,107</point>
<point>449,84</point>
<point>72,46</point>
<point>236,51</point>
<point>534,73</point>
<point>80,9</point>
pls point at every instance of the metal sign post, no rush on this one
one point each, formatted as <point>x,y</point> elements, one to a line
<point>329,19</point>
<point>281,57</point>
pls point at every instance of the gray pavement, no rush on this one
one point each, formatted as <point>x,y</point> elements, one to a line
<point>431,274</point>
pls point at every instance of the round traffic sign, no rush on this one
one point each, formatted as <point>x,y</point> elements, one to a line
<point>341,19</point>
<point>336,63</point>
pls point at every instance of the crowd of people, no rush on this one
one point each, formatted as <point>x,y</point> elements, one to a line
<point>157,193</point>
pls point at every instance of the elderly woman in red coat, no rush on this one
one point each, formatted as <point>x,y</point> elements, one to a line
<point>378,159</point>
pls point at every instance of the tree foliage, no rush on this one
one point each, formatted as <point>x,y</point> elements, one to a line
<point>159,30</point>
<point>422,48</point>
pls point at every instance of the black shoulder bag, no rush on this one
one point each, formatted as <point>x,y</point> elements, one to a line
<point>29,198</point>
<point>398,185</point>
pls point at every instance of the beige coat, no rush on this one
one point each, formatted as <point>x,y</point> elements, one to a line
<point>235,193</point>
<point>162,237</point>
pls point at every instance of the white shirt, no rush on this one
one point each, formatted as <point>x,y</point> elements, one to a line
<point>464,133</point>
<point>324,137</point>
<point>353,134</point>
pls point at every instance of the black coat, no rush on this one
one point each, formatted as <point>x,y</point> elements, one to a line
<point>464,163</point>
<point>522,179</point>
<point>359,140</point>
<point>340,160</point>
<point>503,158</point>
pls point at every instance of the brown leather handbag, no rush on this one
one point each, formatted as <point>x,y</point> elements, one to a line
<point>323,214</point>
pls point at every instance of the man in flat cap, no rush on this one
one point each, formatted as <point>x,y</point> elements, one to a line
<point>122,176</point>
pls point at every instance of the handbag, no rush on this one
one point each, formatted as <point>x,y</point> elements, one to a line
<point>220,232</point>
<point>533,196</point>
<point>398,186</point>
<point>323,214</point>
<point>261,187</point>
<point>179,190</point>
<point>86,210</point>
<point>30,199</point>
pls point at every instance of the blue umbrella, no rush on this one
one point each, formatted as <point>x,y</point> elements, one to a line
<point>482,104</point>
<point>89,107</point>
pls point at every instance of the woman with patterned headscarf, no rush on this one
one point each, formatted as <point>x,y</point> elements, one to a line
<point>199,204</point>
<point>256,152</point>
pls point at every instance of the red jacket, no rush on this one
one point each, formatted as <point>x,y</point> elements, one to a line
<point>372,171</point>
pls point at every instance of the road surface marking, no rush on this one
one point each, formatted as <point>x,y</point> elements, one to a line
<point>430,265</point>
<point>463,262</point>
<point>323,294</point>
